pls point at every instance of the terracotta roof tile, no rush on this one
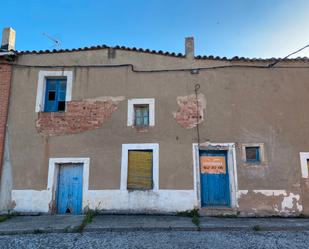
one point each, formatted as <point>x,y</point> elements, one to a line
<point>160,52</point>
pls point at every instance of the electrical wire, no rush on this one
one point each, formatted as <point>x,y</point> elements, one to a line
<point>277,61</point>
<point>154,70</point>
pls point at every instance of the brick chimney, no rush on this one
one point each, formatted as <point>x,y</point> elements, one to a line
<point>8,39</point>
<point>189,47</point>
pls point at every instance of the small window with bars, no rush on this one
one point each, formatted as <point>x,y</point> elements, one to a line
<point>140,170</point>
<point>141,115</point>
<point>55,95</point>
<point>252,154</point>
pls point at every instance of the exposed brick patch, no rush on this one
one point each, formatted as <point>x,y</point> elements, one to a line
<point>5,85</point>
<point>186,116</point>
<point>80,116</point>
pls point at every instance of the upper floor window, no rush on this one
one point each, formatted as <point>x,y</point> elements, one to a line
<point>53,91</point>
<point>55,95</point>
<point>141,112</point>
<point>141,115</point>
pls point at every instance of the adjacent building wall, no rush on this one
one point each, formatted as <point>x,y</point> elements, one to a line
<point>244,105</point>
<point>5,176</point>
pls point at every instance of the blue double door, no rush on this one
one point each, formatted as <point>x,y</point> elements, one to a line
<point>70,189</point>
<point>215,187</point>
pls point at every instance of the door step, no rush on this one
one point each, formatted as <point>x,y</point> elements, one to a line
<point>218,212</point>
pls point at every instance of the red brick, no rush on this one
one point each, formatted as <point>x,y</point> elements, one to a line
<point>80,116</point>
<point>186,116</point>
<point>5,85</point>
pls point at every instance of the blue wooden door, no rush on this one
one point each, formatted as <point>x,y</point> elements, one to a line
<point>215,190</point>
<point>69,192</point>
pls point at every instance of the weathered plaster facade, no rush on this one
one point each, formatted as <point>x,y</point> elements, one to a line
<point>245,104</point>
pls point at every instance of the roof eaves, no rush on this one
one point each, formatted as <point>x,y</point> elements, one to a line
<point>134,49</point>
<point>245,59</point>
<point>164,53</point>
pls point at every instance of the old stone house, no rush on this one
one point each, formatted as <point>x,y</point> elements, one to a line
<point>134,130</point>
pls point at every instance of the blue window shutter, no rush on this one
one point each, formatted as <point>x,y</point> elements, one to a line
<point>62,85</point>
<point>50,96</point>
<point>55,95</point>
<point>61,93</point>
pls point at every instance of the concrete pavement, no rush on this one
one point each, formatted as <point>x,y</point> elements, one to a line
<point>41,224</point>
<point>118,223</point>
<point>140,222</point>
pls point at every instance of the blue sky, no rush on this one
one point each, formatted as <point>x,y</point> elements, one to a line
<point>250,28</point>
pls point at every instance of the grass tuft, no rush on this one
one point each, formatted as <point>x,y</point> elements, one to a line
<point>189,213</point>
<point>3,218</point>
<point>194,214</point>
<point>90,214</point>
<point>7,216</point>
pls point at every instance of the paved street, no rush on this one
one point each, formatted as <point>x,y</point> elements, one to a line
<point>131,223</point>
<point>160,240</point>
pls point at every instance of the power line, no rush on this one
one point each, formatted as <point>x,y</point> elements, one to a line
<point>195,70</point>
<point>277,61</point>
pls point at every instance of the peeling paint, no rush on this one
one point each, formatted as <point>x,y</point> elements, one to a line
<point>241,192</point>
<point>189,108</point>
<point>291,202</point>
<point>280,202</point>
<point>270,192</point>
<point>80,116</point>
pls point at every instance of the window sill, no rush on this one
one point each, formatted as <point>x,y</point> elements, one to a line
<point>140,190</point>
<point>254,164</point>
<point>141,128</point>
<point>60,112</point>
